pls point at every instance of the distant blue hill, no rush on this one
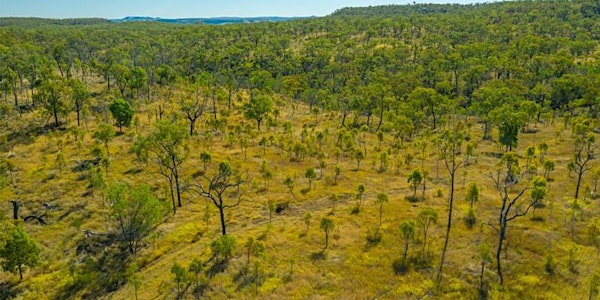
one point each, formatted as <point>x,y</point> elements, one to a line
<point>209,21</point>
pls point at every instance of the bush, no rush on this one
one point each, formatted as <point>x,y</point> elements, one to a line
<point>223,247</point>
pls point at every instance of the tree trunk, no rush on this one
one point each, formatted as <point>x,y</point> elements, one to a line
<point>55,112</point>
<point>222,217</point>
<point>499,250</point>
<point>15,209</point>
<point>192,125</point>
<point>172,194</point>
<point>176,175</point>
<point>579,175</point>
<point>14,88</point>
<point>78,109</point>
<point>441,268</point>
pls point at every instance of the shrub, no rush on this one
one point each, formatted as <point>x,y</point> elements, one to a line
<point>223,247</point>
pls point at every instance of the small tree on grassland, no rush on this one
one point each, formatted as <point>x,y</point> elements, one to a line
<point>414,179</point>
<point>310,175</point>
<point>408,233</point>
<point>382,198</point>
<point>122,112</point>
<point>18,251</point>
<point>134,213</point>
<point>326,225</point>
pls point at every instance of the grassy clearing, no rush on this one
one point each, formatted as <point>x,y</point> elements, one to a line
<point>293,266</point>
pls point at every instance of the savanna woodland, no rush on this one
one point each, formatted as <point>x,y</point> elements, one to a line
<point>390,152</point>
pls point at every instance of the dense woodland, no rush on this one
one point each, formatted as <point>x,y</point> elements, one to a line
<point>401,152</point>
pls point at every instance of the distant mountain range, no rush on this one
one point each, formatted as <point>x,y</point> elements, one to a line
<point>209,21</point>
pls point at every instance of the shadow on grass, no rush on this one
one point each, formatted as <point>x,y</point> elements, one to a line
<point>99,272</point>
<point>321,255</point>
<point>9,290</point>
<point>218,267</point>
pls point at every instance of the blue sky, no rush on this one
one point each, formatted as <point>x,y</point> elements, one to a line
<point>184,8</point>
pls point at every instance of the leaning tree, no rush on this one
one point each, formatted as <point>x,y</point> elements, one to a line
<point>514,201</point>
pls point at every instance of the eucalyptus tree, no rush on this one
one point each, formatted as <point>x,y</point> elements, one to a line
<point>51,94</point>
<point>167,147</point>
<point>515,202</point>
<point>450,148</point>
<point>134,212</point>
<point>583,152</point>
<point>192,108</point>
<point>80,95</point>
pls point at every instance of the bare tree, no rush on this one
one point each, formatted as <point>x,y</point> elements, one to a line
<point>514,202</point>
<point>216,186</point>
<point>583,153</point>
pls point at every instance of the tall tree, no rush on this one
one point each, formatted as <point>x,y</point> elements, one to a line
<point>51,95</point>
<point>167,147</point>
<point>584,151</point>
<point>80,96</point>
<point>514,202</point>
<point>450,149</point>
<point>192,108</point>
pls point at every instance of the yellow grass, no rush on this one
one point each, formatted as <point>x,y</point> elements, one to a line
<point>350,268</point>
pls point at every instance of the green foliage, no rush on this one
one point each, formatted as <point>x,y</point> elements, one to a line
<point>407,229</point>
<point>253,248</point>
<point>326,225</point>
<point>51,94</point>
<point>427,216</point>
<point>415,178</point>
<point>381,199</point>
<point>104,133</point>
<point>167,147</point>
<point>122,112</point>
<point>310,175</point>
<point>18,251</point>
<point>134,213</point>
<point>181,278</point>
<point>196,267</point>
<point>206,158</point>
<point>223,247</point>
<point>257,109</point>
